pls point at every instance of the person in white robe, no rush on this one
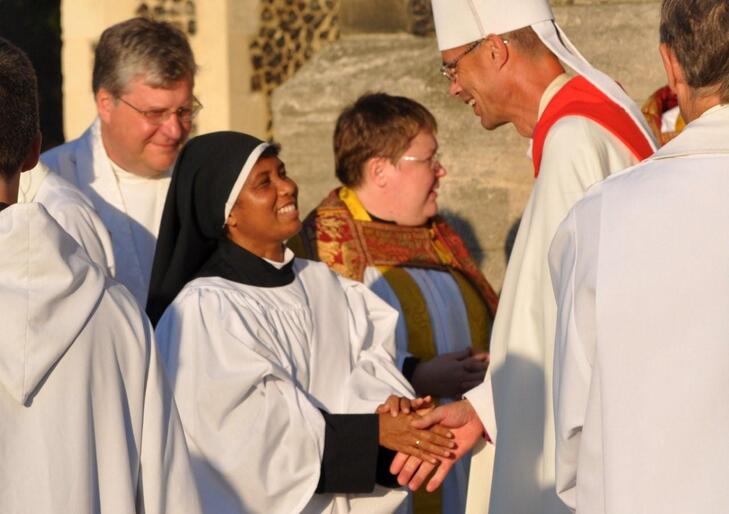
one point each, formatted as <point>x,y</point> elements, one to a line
<point>522,53</point>
<point>277,364</point>
<point>143,79</point>
<point>641,275</point>
<point>89,425</point>
<point>72,210</point>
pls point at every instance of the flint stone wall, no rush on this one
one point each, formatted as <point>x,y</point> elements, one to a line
<point>489,175</point>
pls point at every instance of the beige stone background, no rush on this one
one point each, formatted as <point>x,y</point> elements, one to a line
<point>285,68</point>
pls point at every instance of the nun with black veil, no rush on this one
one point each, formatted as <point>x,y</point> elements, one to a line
<point>278,365</point>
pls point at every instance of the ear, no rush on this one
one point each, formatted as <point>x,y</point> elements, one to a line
<point>497,50</point>
<point>376,171</point>
<point>31,158</point>
<point>105,104</point>
<point>674,72</point>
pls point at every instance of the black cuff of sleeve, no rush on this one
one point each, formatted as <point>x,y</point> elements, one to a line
<point>349,463</point>
<point>408,367</point>
<point>384,459</point>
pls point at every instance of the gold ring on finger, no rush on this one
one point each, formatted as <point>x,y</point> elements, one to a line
<point>417,443</point>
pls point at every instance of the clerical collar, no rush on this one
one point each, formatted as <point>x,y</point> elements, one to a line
<point>3,205</point>
<point>128,177</point>
<point>231,262</point>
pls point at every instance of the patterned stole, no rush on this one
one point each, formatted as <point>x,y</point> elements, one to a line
<point>658,103</point>
<point>341,233</point>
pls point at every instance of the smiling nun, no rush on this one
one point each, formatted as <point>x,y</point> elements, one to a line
<point>277,363</point>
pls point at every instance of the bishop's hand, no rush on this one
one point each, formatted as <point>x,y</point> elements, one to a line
<point>467,429</point>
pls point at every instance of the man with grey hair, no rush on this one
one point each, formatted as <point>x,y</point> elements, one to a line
<point>641,274</point>
<point>143,80</point>
<point>89,425</point>
<point>506,60</point>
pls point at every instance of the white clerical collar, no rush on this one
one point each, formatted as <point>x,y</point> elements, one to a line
<point>288,257</point>
<point>127,177</point>
<point>552,89</point>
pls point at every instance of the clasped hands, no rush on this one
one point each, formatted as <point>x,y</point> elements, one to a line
<point>428,440</point>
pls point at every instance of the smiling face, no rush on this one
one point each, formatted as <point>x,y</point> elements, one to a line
<point>413,181</point>
<point>130,139</point>
<point>477,80</point>
<point>266,213</point>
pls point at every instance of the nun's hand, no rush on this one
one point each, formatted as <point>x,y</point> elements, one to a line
<point>397,433</point>
<point>467,429</point>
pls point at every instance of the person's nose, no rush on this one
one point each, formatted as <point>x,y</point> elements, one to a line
<point>454,89</point>
<point>440,171</point>
<point>287,187</point>
<point>174,128</point>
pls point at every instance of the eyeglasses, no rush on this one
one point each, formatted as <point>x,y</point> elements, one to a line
<point>159,116</point>
<point>449,69</point>
<point>433,161</point>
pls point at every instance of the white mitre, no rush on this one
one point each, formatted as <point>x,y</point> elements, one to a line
<point>459,22</point>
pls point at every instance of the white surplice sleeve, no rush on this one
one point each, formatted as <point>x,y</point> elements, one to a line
<point>573,266</point>
<point>372,338</point>
<point>256,439</point>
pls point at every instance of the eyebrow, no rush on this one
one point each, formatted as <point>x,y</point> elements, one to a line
<point>160,108</point>
<point>268,170</point>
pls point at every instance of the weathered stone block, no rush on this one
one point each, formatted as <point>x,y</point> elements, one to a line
<point>489,175</point>
<point>375,16</point>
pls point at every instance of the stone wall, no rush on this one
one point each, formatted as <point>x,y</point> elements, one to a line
<point>378,16</point>
<point>489,176</point>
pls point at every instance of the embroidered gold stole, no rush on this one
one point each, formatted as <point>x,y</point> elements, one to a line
<point>341,233</point>
<point>662,100</point>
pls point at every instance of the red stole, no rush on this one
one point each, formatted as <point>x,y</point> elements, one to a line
<point>580,98</point>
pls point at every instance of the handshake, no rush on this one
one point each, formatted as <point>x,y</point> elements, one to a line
<point>428,439</point>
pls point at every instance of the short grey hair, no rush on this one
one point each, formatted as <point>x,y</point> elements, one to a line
<point>156,50</point>
<point>527,40</point>
<point>696,31</point>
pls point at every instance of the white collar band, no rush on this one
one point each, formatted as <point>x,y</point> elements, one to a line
<point>242,176</point>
